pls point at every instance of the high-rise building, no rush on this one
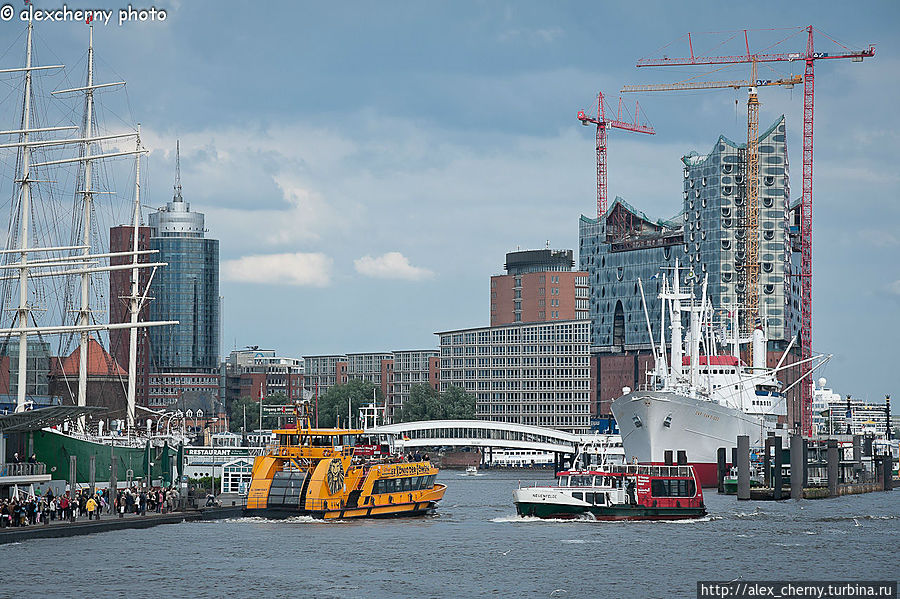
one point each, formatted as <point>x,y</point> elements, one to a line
<point>187,290</point>
<point>539,286</point>
<point>707,237</point>
<point>121,239</point>
<point>535,373</point>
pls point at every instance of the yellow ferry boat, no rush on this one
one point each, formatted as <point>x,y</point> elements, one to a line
<point>332,473</point>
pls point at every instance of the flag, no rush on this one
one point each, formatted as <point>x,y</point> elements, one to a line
<point>656,276</point>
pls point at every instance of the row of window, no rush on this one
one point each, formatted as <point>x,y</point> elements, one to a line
<point>400,485</point>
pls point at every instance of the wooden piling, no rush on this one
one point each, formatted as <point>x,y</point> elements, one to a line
<point>743,465</point>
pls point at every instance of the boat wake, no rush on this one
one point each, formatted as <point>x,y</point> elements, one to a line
<point>291,520</point>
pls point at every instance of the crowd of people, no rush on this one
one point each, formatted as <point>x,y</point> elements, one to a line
<point>43,509</point>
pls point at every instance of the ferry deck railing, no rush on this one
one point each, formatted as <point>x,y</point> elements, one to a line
<point>24,469</point>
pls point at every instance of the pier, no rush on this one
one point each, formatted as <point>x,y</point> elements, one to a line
<point>815,468</point>
<point>64,528</point>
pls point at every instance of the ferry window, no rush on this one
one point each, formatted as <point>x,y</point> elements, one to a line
<point>659,488</point>
<point>405,484</point>
<point>578,495</point>
<point>589,497</point>
<point>600,499</point>
<point>295,439</point>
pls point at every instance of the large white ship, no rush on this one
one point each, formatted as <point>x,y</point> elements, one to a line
<point>702,400</point>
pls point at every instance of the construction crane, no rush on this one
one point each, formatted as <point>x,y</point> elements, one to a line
<point>603,124</point>
<point>688,85</point>
<point>809,56</point>
<point>751,217</point>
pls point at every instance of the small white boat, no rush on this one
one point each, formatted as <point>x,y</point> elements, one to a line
<point>471,470</point>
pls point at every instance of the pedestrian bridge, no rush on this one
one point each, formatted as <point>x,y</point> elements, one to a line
<point>481,433</point>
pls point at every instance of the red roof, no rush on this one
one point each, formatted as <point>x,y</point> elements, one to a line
<point>712,360</point>
<point>99,362</point>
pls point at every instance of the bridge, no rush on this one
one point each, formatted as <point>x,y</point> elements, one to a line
<point>482,433</point>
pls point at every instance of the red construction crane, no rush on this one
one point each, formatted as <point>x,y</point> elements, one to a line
<point>603,124</point>
<point>809,55</point>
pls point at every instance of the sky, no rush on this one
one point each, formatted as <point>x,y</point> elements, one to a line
<point>367,165</point>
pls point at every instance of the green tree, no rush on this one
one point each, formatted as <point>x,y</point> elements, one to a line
<point>236,412</point>
<point>334,402</point>
<point>457,404</point>
<point>423,403</point>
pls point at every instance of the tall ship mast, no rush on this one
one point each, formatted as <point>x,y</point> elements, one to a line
<point>45,251</point>
<point>705,396</point>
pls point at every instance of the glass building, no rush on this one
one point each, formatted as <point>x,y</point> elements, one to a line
<point>706,238</point>
<point>187,290</point>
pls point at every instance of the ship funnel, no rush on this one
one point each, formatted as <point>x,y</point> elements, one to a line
<point>759,349</point>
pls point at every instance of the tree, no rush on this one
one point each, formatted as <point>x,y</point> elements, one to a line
<point>457,404</point>
<point>236,411</point>
<point>334,402</point>
<point>424,403</point>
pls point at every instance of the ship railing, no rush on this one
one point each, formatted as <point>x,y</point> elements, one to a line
<point>26,469</point>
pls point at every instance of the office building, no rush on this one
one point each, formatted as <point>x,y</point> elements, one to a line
<point>529,373</point>
<point>539,286</point>
<point>187,290</point>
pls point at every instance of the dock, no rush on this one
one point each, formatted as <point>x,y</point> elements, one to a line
<point>810,468</point>
<point>64,528</point>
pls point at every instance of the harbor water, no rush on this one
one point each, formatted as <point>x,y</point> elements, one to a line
<point>475,546</point>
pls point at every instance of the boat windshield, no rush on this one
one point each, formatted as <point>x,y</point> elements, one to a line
<point>580,481</point>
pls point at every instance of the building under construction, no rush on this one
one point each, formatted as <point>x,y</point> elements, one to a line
<point>709,236</point>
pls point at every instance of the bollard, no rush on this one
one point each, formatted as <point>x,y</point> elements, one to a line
<point>92,473</point>
<point>888,472</point>
<point>72,465</point>
<point>743,465</point>
<point>767,462</point>
<point>857,450</point>
<point>720,469</point>
<point>796,467</point>
<point>833,467</point>
<point>777,457</point>
<point>805,463</point>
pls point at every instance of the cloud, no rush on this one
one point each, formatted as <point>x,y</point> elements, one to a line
<point>298,269</point>
<point>879,238</point>
<point>392,265</point>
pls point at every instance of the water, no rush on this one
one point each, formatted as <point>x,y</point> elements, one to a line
<point>474,547</point>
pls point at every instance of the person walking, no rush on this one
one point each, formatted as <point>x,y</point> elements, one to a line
<point>91,506</point>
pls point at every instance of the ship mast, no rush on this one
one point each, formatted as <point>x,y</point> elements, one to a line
<point>75,264</point>
<point>25,208</point>
<point>134,302</point>
<point>87,200</point>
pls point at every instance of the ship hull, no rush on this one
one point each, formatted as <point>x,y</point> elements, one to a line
<point>652,422</point>
<point>559,511</point>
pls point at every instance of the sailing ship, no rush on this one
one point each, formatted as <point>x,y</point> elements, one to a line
<point>50,257</point>
<point>702,401</point>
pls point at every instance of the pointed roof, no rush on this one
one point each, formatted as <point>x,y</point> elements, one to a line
<point>99,362</point>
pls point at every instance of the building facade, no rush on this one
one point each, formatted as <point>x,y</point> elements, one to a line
<point>531,373</point>
<point>187,290</point>
<point>626,251</point>
<point>405,369</point>
<point>393,372</point>
<point>539,286</point>
<point>121,239</point>
<point>255,373</point>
